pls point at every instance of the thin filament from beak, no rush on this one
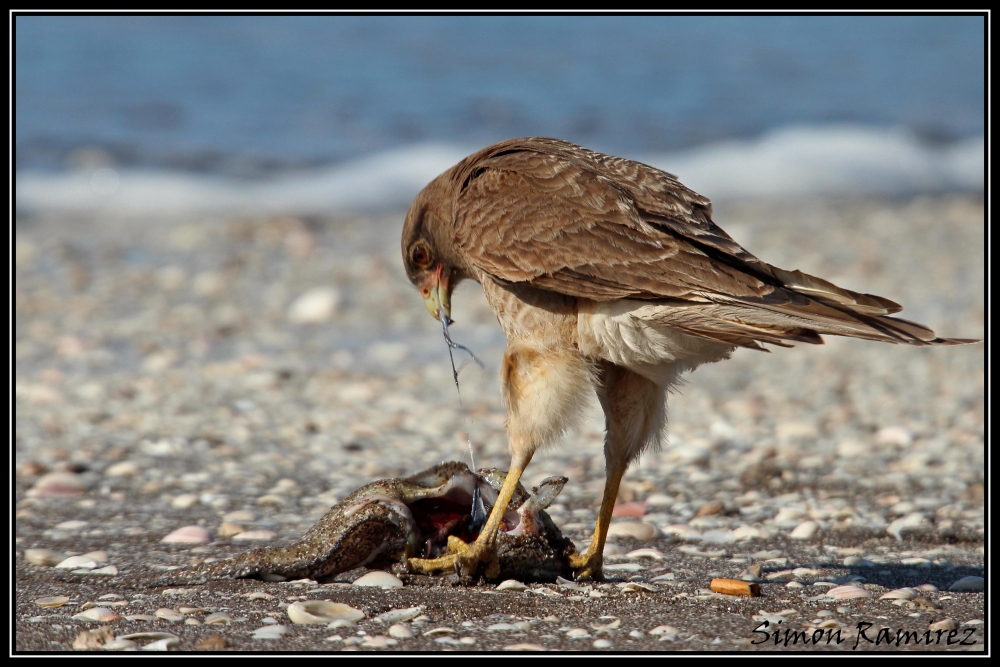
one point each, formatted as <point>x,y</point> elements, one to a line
<point>452,345</point>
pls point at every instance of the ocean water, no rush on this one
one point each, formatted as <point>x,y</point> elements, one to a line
<point>327,112</point>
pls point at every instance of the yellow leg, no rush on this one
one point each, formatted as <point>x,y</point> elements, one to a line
<point>483,550</point>
<point>588,566</point>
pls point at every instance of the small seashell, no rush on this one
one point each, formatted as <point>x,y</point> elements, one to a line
<point>99,614</point>
<point>511,585</point>
<point>229,529</point>
<point>149,635</point>
<point>270,632</point>
<point>188,535</point>
<point>602,643</point>
<point>398,615</point>
<point>577,633</point>
<point>340,623</point>
<point>848,592</point>
<point>379,579</point>
<point>522,647</point>
<point>899,594</point>
<point>168,644</point>
<point>121,645</point>
<point>219,618</point>
<point>378,641</point>
<point>78,563</point>
<point>58,485</point>
<point>944,624</point>
<point>400,631</point>
<point>44,557</point>
<point>322,612</point>
<point>55,601</point>
<point>638,530</point>
<point>258,595</point>
<point>171,615</point>
<point>439,631</point>
<point>663,630</point>
<point>804,531</point>
<point>646,553</point>
<point>254,536</point>
<point>189,610</point>
<point>140,617</point>
<point>968,584</point>
<point>503,627</point>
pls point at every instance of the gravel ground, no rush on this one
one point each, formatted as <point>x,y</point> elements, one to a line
<point>251,372</point>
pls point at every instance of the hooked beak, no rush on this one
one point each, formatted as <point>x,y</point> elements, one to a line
<point>437,295</point>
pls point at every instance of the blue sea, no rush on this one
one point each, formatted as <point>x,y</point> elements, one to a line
<point>359,111</point>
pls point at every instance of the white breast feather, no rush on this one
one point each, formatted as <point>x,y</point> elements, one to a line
<point>625,333</point>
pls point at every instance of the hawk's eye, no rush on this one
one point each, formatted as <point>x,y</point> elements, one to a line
<point>421,255</point>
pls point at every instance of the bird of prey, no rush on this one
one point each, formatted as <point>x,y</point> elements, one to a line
<point>606,274</point>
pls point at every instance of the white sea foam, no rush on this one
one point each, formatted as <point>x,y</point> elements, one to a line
<point>795,161</point>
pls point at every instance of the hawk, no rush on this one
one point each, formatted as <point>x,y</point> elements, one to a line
<point>606,274</point>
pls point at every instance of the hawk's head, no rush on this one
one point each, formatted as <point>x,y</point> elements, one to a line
<point>429,254</point>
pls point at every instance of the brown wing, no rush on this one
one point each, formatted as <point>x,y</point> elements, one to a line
<point>576,222</point>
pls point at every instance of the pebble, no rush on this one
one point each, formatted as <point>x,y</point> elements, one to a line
<point>71,525</point>
<point>578,633</point>
<point>254,536</point>
<point>379,579</point>
<point>54,601</point>
<point>44,557</point>
<point>99,614</point>
<point>166,614</point>
<point>968,584</point>
<point>121,645</point>
<point>58,485</point>
<point>314,306</point>
<point>317,612</point>
<point>398,615</point>
<point>848,593</point>
<point>340,623</point>
<point>229,529</point>
<point>188,535</point>
<point>794,584</point>
<point>218,618</point>
<point>602,643</point>
<point>638,530</point>
<point>109,570</point>
<point>804,531</point>
<point>511,585</point>
<point>78,563</point>
<point>270,632</point>
<point>400,631</point>
<point>944,624</point>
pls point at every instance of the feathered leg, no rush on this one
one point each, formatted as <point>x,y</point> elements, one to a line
<point>635,413</point>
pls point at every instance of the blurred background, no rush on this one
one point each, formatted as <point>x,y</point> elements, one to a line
<point>208,273</point>
<point>324,113</point>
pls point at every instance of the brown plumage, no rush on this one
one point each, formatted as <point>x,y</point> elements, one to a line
<point>610,273</point>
